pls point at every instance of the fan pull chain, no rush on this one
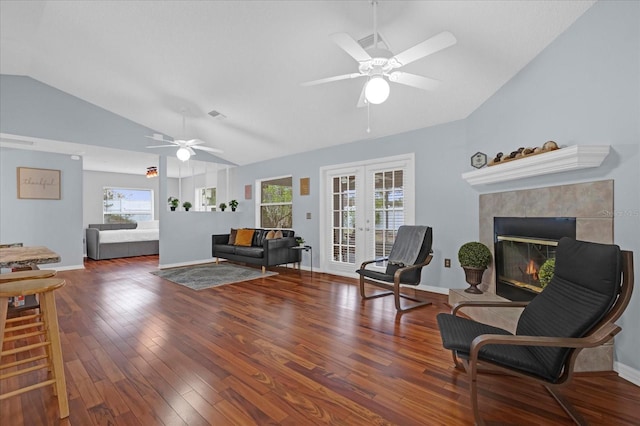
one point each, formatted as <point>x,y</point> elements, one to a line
<point>368,117</point>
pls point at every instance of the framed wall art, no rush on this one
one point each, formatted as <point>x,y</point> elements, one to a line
<point>304,186</point>
<point>38,184</point>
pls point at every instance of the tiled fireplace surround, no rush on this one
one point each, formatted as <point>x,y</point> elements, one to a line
<point>590,203</point>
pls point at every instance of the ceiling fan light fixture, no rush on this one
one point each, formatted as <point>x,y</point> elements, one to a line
<point>183,154</point>
<point>377,90</point>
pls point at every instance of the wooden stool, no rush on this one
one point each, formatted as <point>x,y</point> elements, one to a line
<point>30,302</point>
<point>31,274</point>
<point>43,324</point>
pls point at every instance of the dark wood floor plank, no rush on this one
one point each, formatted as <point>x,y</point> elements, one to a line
<point>288,349</point>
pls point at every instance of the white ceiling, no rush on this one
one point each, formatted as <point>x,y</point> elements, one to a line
<point>148,60</point>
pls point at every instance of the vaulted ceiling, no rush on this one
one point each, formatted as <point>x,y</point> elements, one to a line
<point>149,60</point>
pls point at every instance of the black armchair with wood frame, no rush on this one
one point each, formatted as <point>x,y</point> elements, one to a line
<point>590,289</point>
<point>411,251</point>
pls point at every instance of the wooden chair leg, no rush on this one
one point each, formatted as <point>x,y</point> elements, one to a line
<point>53,334</point>
<point>473,392</point>
<point>566,406</point>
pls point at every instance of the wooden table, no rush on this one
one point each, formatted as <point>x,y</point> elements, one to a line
<point>20,257</point>
<point>29,257</point>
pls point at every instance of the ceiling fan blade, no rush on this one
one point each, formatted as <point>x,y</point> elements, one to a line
<point>413,80</point>
<point>192,152</point>
<point>161,146</point>
<point>157,137</point>
<point>427,47</point>
<point>362,100</point>
<point>206,148</point>
<point>349,45</point>
<point>191,142</point>
<point>330,79</point>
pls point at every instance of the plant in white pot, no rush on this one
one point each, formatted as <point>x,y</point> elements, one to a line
<point>474,258</point>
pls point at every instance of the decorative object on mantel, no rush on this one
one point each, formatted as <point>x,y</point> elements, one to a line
<point>479,160</point>
<point>574,157</point>
<point>474,258</point>
<point>233,204</point>
<point>173,203</point>
<point>187,205</point>
<point>522,152</point>
<point>223,206</point>
<point>152,172</point>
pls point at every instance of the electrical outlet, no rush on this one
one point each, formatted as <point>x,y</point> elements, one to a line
<point>447,263</point>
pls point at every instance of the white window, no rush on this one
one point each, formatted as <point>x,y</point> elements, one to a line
<point>276,203</point>
<point>205,199</point>
<point>126,205</point>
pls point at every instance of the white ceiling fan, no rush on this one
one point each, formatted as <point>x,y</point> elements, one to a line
<point>377,63</point>
<point>185,147</point>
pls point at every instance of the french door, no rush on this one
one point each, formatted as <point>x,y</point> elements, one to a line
<point>364,205</point>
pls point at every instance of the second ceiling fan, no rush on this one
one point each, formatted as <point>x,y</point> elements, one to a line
<point>185,147</point>
<point>380,64</point>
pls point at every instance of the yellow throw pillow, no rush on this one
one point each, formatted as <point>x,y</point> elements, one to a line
<point>278,234</point>
<point>270,235</point>
<point>244,237</point>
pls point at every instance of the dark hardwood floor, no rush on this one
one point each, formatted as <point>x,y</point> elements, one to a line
<point>291,349</point>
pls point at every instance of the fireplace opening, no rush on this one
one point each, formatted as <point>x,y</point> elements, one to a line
<point>521,247</point>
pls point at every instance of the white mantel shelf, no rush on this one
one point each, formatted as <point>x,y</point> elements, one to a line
<point>561,160</point>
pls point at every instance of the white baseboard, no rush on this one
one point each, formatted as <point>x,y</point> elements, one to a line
<point>65,268</point>
<point>629,374</point>
<point>189,263</point>
<point>432,289</point>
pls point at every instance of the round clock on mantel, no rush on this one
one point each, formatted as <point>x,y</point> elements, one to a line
<point>479,160</point>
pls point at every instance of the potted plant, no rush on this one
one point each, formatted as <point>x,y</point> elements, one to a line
<point>546,272</point>
<point>300,241</point>
<point>474,258</point>
<point>222,206</point>
<point>187,205</point>
<point>233,204</point>
<point>173,203</point>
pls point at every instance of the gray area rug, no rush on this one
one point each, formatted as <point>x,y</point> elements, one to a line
<point>210,275</point>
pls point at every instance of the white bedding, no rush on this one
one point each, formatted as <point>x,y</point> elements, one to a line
<point>129,235</point>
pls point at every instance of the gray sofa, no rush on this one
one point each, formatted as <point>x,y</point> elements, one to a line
<point>263,252</point>
<point>99,251</point>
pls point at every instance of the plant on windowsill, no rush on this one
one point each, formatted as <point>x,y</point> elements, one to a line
<point>187,205</point>
<point>233,204</point>
<point>474,258</point>
<point>173,203</point>
<point>222,206</point>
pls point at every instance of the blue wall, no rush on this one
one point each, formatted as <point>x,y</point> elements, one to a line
<point>56,224</point>
<point>583,89</point>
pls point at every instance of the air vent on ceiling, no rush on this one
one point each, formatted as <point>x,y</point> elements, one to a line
<point>367,42</point>
<point>217,115</point>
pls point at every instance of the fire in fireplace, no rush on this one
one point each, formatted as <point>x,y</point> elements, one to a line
<point>522,246</point>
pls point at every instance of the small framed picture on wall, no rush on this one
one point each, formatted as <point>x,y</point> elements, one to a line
<point>38,184</point>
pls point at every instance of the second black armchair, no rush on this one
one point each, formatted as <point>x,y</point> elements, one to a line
<point>411,252</point>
